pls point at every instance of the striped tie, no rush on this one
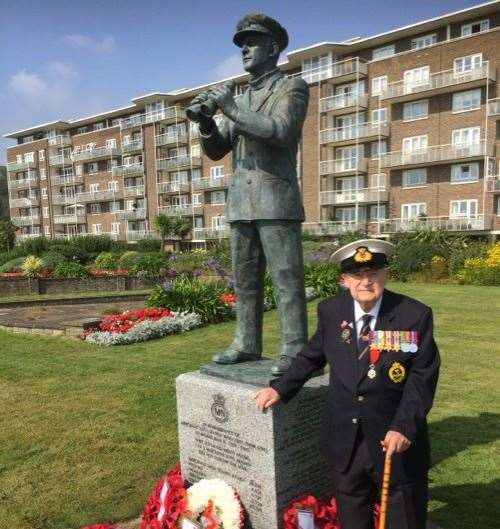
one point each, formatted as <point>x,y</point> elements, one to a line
<point>364,333</point>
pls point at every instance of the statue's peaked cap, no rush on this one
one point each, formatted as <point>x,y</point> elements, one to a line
<point>260,23</point>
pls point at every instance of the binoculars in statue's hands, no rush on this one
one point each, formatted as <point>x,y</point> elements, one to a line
<point>206,108</point>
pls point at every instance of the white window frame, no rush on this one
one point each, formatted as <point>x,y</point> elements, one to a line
<point>79,170</point>
<point>115,228</point>
<point>379,84</point>
<point>46,231</point>
<point>91,166</point>
<point>81,130</point>
<point>466,29</point>
<point>44,192</point>
<point>424,41</point>
<point>419,207</point>
<point>218,222</point>
<point>460,67</point>
<point>112,185</point>
<point>97,229</point>
<point>409,144</point>
<point>215,201</point>
<point>474,133</point>
<point>111,143</point>
<point>409,174</point>
<point>383,52</point>
<point>379,115</point>
<point>413,105</point>
<point>95,208</point>
<point>196,199</point>
<point>456,172</point>
<point>377,148</point>
<point>217,171</point>
<point>416,78</point>
<point>94,187</point>
<point>45,212</point>
<point>195,150</point>
<point>41,155</point>
<point>473,106</point>
<point>468,202</point>
<point>43,173</point>
<point>29,157</point>
<point>99,126</point>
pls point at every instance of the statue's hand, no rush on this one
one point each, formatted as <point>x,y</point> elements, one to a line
<point>200,98</point>
<point>223,96</point>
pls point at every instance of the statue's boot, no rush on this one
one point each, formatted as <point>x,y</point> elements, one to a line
<point>233,356</point>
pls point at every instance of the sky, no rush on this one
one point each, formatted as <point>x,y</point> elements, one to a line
<point>63,59</point>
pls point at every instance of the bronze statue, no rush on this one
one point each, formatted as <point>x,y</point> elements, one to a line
<point>264,206</point>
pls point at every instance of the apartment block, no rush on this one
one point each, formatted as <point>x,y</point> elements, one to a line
<point>402,131</point>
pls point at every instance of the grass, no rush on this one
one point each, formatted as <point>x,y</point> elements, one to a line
<point>86,431</point>
<point>71,295</point>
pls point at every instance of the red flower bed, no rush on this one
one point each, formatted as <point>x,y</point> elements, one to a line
<point>117,272</point>
<point>12,274</point>
<point>126,320</point>
<point>228,298</point>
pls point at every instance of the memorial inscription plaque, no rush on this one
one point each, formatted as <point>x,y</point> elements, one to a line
<point>270,458</point>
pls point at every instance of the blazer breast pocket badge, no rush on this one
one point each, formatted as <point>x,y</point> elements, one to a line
<point>397,372</point>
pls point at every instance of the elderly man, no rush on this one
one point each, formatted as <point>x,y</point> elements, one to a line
<point>384,367</point>
<point>264,206</point>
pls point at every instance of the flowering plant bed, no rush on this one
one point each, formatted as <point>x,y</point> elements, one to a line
<point>117,272</point>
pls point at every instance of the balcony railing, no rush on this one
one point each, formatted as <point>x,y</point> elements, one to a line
<point>183,210</point>
<point>493,184</point>
<point>133,191</point>
<point>95,154</point>
<point>60,159</point>
<point>23,202</point>
<point>364,195</point>
<point>494,107</point>
<point>173,187</point>
<point>340,71</point>
<point>211,183</point>
<point>125,170</point>
<point>64,200</point>
<point>171,139</point>
<point>139,235</point>
<point>26,236</point>
<point>23,183</point>
<point>132,146</point>
<point>20,166</point>
<point>210,233</point>
<point>477,223</point>
<point>436,154</point>
<point>79,218</point>
<point>177,162</point>
<point>169,113</point>
<point>67,179</point>
<point>343,166</point>
<point>59,141</point>
<point>343,102</point>
<point>361,132</point>
<point>26,220</point>
<point>439,82</point>
<point>332,227</point>
<point>132,214</point>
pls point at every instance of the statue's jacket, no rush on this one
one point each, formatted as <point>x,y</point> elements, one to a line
<point>264,141</point>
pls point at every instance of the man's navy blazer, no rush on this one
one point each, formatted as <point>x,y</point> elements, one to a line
<point>376,405</point>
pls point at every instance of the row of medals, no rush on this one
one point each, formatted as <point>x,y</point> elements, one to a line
<point>405,341</point>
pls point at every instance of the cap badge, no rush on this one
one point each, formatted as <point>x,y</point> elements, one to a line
<point>362,255</point>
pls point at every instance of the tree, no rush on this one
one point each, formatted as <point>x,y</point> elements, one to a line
<point>182,226</point>
<point>164,226</point>
<point>7,235</point>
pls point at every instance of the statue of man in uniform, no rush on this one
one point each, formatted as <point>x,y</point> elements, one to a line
<point>264,207</point>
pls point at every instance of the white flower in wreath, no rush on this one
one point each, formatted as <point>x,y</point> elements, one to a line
<point>227,506</point>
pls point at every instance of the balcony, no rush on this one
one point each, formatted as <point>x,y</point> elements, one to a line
<point>132,214</point>
<point>95,154</point>
<point>493,184</point>
<point>178,162</point>
<point>182,210</point>
<point>132,146</point>
<point>65,180</point>
<point>337,72</point>
<point>477,223</point>
<point>20,166</point>
<point>332,227</point>
<point>133,191</point>
<point>60,159</point>
<point>437,154</point>
<point>23,202</point>
<point>494,108</point>
<point>78,218</point>
<point>343,103</point>
<point>171,139</point>
<point>364,195</point>
<point>343,166</point>
<point>63,200</point>
<point>439,83</point>
<point>23,183</point>
<point>59,141</point>
<point>354,133</point>
<point>173,187</point>
<point>26,236</point>
<point>169,114</point>
<point>203,234</point>
<point>26,220</point>
<point>128,170</point>
<point>212,183</point>
<point>139,235</point>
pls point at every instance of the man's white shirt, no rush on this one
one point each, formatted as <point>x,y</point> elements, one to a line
<point>359,313</point>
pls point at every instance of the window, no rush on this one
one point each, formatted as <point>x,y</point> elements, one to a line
<point>98,126</point>
<point>45,212</point>
<point>379,115</point>
<point>113,185</point>
<point>46,231</point>
<point>195,150</point>
<point>44,192</point>
<point>217,171</point>
<point>19,158</point>
<point>468,172</point>
<point>115,228</point>
<point>81,130</point>
<point>198,222</point>
<point>377,212</point>
<point>196,199</point>
<point>111,163</point>
<point>416,78</point>
<point>414,177</point>
<point>385,51</point>
<point>463,208</point>
<point>314,68</point>
<point>95,208</point>
<point>27,139</point>
<point>115,122</point>
<point>413,211</point>
<point>467,64</point>
<point>377,148</point>
<point>416,110</point>
<point>78,170</point>
<point>92,168</point>
<point>41,155</point>
<point>29,157</point>
<point>131,205</point>
<point>414,144</point>
<point>196,174</point>
<point>111,143</point>
<point>379,84</point>
<point>475,27</point>
<point>94,188</point>
<point>217,197</point>
<point>219,222</point>
<point>465,137</point>
<point>470,100</point>
<point>90,146</point>
<point>97,229</point>
<point>424,41</point>
<point>349,214</point>
<point>43,173</point>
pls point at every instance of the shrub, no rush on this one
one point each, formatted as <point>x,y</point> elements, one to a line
<point>477,271</point>
<point>129,259</point>
<point>32,266</point>
<point>14,265</point>
<point>220,250</point>
<point>463,249</point>
<point>51,260</point>
<point>148,245</point>
<point>70,270</point>
<point>323,278</point>
<point>192,295</point>
<point>107,261</point>
<point>187,263</point>
<point>152,266</point>
<point>411,255</point>
<point>34,246</point>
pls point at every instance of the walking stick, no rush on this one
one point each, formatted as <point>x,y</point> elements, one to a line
<point>385,491</point>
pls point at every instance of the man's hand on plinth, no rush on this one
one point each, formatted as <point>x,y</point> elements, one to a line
<point>265,398</point>
<point>395,443</point>
<point>223,96</point>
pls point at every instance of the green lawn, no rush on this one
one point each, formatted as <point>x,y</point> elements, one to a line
<point>86,431</point>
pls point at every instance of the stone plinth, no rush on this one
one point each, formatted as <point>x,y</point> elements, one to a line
<point>270,458</point>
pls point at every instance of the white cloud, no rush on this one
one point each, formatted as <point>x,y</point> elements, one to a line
<point>229,67</point>
<point>106,45</point>
<point>27,85</point>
